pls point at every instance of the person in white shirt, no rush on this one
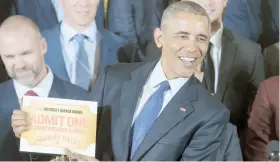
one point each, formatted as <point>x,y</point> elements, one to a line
<point>22,49</point>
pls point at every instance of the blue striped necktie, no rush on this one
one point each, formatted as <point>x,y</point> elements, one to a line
<point>83,76</point>
<point>147,116</point>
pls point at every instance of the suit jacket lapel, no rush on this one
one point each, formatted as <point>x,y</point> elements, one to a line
<point>227,58</point>
<point>54,57</point>
<point>57,89</point>
<point>130,94</point>
<point>11,100</point>
<point>176,110</point>
<point>48,10</point>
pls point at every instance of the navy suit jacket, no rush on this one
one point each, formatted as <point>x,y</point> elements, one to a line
<point>9,149</point>
<point>43,13</point>
<point>135,20</point>
<point>194,134</point>
<point>245,17</point>
<point>109,45</point>
<point>230,147</point>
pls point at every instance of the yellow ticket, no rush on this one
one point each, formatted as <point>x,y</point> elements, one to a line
<point>57,124</point>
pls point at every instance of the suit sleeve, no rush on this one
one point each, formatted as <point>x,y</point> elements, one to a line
<point>121,19</point>
<point>207,139</point>
<point>233,151</point>
<point>259,127</point>
<point>97,93</point>
<point>258,74</point>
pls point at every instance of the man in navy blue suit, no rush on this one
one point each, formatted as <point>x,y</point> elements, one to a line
<point>48,13</point>
<point>257,20</point>
<point>22,49</point>
<point>78,49</point>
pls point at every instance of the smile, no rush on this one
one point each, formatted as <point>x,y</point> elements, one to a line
<point>188,59</point>
<point>83,12</point>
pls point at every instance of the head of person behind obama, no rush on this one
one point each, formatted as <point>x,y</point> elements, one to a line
<point>22,49</point>
<point>183,36</point>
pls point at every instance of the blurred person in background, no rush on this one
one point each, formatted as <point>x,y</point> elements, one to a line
<point>5,11</point>
<point>48,13</point>
<point>263,124</point>
<point>257,20</point>
<point>78,49</point>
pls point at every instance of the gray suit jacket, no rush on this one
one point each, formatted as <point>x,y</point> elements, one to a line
<point>230,148</point>
<point>9,149</point>
<point>135,20</point>
<point>194,134</point>
<point>241,71</point>
<point>271,59</point>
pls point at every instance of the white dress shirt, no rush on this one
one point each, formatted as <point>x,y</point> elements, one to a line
<point>70,48</point>
<point>216,52</point>
<point>152,85</point>
<point>58,10</point>
<point>42,89</point>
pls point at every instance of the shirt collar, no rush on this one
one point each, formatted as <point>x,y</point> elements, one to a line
<point>42,89</point>
<point>157,76</point>
<point>216,39</point>
<point>68,32</point>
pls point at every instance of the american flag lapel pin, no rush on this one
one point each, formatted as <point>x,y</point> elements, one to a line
<point>183,109</point>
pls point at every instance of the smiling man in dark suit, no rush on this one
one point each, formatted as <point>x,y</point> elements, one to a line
<point>159,111</point>
<point>22,49</point>
<point>233,70</point>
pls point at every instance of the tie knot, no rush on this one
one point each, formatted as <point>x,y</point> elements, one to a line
<point>30,93</point>
<point>164,86</point>
<point>79,38</point>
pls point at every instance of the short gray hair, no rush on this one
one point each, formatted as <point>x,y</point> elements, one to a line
<point>183,6</point>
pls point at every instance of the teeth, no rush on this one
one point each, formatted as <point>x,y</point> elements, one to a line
<point>189,59</point>
<point>82,12</point>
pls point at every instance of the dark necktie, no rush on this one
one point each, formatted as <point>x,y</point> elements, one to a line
<point>30,93</point>
<point>147,116</point>
<point>209,71</point>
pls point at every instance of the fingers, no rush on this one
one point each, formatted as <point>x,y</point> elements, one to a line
<point>19,130</point>
<point>75,156</point>
<point>20,122</point>
<point>17,113</point>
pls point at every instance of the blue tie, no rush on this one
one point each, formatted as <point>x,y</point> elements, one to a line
<point>147,116</point>
<point>83,76</point>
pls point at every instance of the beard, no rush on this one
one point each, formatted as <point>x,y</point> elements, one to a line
<point>25,75</point>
